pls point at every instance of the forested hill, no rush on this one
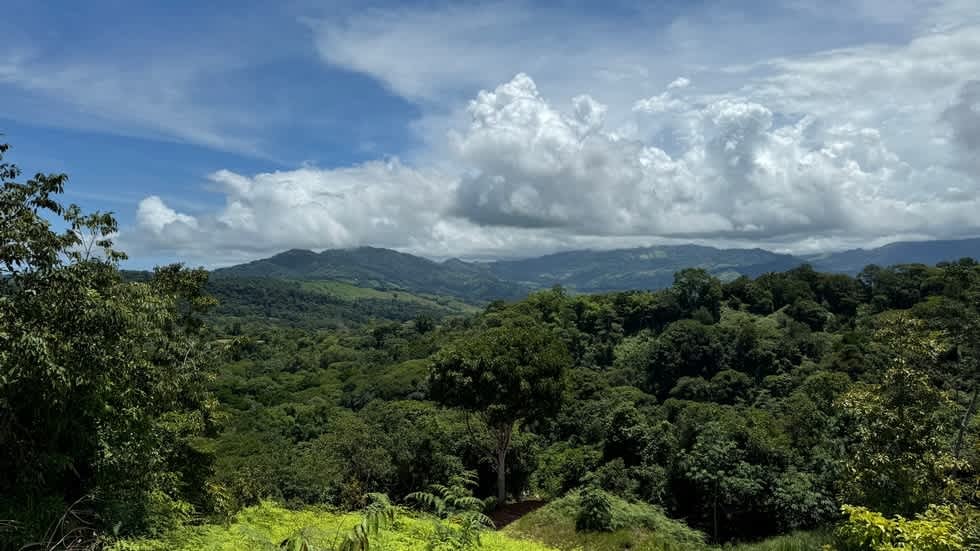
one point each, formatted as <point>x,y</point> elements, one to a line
<point>902,252</point>
<point>580,271</point>
<point>381,269</point>
<point>641,268</point>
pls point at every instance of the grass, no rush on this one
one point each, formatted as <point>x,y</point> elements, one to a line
<point>265,526</point>
<point>796,541</point>
<point>351,292</point>
<point>637,527</point>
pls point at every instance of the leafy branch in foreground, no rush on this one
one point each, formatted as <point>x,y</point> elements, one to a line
<point>103,382</point>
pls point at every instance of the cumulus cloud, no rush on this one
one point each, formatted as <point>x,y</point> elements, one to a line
<point>155,216</point>
<point>532,165</point>
<point>851,145</point>
<point>382,202</point>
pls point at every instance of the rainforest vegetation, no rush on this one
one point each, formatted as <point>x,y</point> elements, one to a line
<point>793,410</point>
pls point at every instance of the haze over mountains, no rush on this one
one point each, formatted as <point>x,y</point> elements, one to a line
<point>581,271</point>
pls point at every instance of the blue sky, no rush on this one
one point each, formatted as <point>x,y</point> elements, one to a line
<point>224,131</point>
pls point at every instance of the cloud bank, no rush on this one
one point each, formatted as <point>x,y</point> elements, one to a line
<point>852,144</point>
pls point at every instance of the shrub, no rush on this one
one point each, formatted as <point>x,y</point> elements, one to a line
<point>615,478</point>
<point>561,467</point>
<point>935,530</point>
<point>595,511</point>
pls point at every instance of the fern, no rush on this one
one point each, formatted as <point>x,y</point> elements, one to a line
<point>378,515</point>
<point>459,514</point>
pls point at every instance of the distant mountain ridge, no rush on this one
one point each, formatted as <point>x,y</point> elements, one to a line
<point>900,252</point>
<point>639,268</point>
<point>582,271</point>
<point>382,269</point>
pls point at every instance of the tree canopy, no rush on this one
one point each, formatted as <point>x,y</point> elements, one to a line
<point>506,373</point>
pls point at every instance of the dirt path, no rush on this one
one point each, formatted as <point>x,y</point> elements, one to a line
<point>513,511</point>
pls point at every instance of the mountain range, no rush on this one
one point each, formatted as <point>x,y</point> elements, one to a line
<point>580,271</point>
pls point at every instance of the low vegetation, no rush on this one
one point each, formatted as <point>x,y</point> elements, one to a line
<point>624,525</point>
<point>272,527</point>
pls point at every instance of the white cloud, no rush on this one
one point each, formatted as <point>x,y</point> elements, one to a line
<point>418,54</point>
<point>661,103</point>
<point>608,146</point>
<point>742,175</point>
<point>382,202</point>
<point>154,215</point>
<point>152,98</point>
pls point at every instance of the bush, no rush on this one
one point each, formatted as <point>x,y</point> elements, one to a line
<point>615,478</point>
<point>595,511</point>
<point>935,530</point>
<point>561,467</point>
<point>634,526</point>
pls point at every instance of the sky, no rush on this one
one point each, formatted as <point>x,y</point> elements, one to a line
<point>220,132</point>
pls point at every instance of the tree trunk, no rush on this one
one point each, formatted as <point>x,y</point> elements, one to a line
<point>966,422</point>
<point>714,512</point>
<point>501,476</point>
<point>503,445</point>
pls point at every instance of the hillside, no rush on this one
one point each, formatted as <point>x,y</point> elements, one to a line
<point>321,304</point>
<point>584,271</point>
<point>641,268</point>
<point>902,252</point>
<point>381,269</point>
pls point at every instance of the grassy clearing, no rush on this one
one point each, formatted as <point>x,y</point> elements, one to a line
<point>637,527</point>
<point>265,526</point>
<point>351,292</point>
<point>640,527</point>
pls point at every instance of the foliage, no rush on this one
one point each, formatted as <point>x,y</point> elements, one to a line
<point>634,526</point>
<point>935,530</point>
<point>245,302</point>
<point>505,373</point>
<point>901,429</point>
<point>103,382</point>
<point>561,468</point>
<point>751,437</point>
<point>814,540</point>
<point>459,515</point>
<point>267,526</point>
<point>594,513</point>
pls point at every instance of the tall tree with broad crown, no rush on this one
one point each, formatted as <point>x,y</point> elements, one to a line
<point>505,374</point>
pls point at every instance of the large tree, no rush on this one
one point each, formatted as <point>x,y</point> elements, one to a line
<point>102,381</point>
<point>505,374</point>
<point>900,431</point>
<point>698,293</point>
